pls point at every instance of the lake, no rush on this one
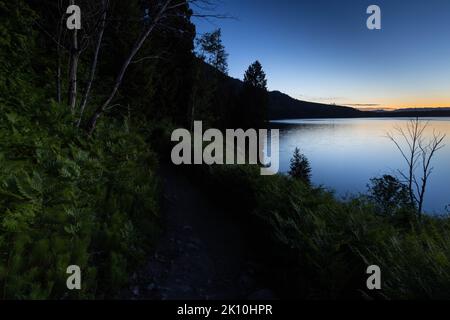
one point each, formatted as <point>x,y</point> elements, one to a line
<point>346,153</point>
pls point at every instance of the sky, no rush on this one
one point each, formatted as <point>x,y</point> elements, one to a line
<point>322,51</point>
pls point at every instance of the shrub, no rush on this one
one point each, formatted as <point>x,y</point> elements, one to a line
<point>389,194</point>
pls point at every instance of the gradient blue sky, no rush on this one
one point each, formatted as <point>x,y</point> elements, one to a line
<point>322,51</point>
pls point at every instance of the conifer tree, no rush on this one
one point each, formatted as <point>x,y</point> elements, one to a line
<point>255,76</point>
<point>252,112</point>
<point>300,168</point>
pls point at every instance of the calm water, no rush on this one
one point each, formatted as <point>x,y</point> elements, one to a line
<point>345,153</point>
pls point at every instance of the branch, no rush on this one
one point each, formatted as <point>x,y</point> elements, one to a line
<point>137,46</point>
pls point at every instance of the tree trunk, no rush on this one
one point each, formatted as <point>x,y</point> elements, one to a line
<point>73,69</point>
<point>94,62</point>
<point>58,67</point>
<point>421,198</point>
<point>92,123</point>
<point>58,79</point>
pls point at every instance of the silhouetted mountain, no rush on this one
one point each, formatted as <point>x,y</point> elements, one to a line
<point>282,106</point>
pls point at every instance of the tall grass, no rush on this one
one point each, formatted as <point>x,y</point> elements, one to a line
<point>320,247</point>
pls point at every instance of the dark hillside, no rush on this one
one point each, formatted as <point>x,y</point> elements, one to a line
<point>282,106</point>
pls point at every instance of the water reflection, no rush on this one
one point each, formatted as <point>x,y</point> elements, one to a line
<point>346,153</point>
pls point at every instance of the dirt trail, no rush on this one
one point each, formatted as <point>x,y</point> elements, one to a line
<point>202,255</point>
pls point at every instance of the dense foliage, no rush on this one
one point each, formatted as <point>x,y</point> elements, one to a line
<point>65,199</point>
<point>320,247</point>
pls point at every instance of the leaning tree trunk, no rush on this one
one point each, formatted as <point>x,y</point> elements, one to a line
<point>94,62</point>
<point>92,123</point>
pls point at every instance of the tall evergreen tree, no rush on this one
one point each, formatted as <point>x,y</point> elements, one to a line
<point>252,112</point>
<point>255,76</point>
<point>212,51</point>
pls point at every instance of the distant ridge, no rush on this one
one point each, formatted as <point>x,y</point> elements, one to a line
<point>282,106</point>
<point>421,109</point>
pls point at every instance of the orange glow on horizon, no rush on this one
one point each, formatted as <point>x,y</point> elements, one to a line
<point>417,103</point>
<point>405,106</point>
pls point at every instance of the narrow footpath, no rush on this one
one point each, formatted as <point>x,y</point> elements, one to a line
<point>202,255</point>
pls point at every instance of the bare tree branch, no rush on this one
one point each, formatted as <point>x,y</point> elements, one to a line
<point>418,151</point>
